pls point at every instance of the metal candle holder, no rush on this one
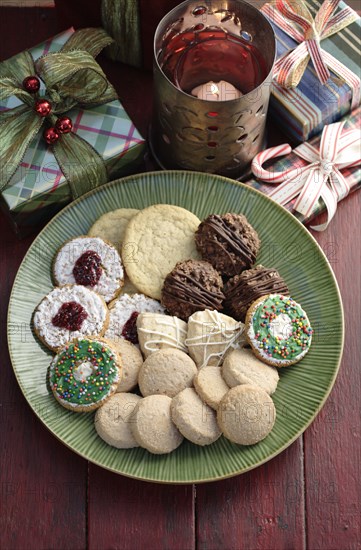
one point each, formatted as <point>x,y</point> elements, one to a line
<point>211,136</point>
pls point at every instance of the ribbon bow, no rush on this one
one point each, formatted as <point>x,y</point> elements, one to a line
<point>71,77</point>
<point>295,19</point>
<point>322,178</point>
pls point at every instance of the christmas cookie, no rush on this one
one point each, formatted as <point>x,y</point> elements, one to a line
<point>211,335</point>
<point>278,330</point>
<point>194,419</point>
<point>246,414</point>
<point>210,386</point>
<point>157,331</point>
<point>111,226</point>
<point>84,374</point>
<point>192,286</point>
<point>91,262</point>
<point>123,313</point>
<point>155,240</point>
<point>228,242</point>
<point>152,426</point>
<point>68,312</point>
<point>248,286</point>
<point>113,419</point>
<point>241,366</point>
<point>166,372</point>
<point>132,360</point>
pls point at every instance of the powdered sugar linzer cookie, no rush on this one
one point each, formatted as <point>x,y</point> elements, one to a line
<point>68,312</point>
<point>123,313</point>
<point>91,262</point>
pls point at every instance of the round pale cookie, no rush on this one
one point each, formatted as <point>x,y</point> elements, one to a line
<point>112,225</point>
<point>160,236</point>
<point>91,262</point>
<point>123,313</point>
<point>84,374</point>
<point>67,312</point>
<point>166,372</point>
<point>157,331</point>
<point>112,421</point>
<point>242,367</point>
<point>132,360</point>
<point>210,386</point>
<point>278,330</point>
<point>246,414</point>
<point>152,426</point>
<point>194,419</point>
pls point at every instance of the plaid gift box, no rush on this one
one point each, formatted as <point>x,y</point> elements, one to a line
<point>292,161</point>
<point>302,112</point>
<point>38,189</point>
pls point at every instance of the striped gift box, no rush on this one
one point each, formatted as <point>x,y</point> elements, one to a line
<point>38,188</point>
<point>303,111</point>
<point>353,175</point>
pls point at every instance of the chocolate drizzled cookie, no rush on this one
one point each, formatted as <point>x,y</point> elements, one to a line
<point>228,242</point>
<point>243,289</point>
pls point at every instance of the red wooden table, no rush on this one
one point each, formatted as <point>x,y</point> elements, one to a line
<point>307,497</point>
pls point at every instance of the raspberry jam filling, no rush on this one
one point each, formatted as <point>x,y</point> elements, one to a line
<point>129,331</point>
<point>71,316</point>
<point>87,269</point>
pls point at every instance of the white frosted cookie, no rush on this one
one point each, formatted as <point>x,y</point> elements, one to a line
<point>211,335</point>
<point>166,372</point>
<point>157,331</point>
<point>112,421</point>
<point>112,225</point>
<point>210,386</point>
<point>68,312</point>
<point>241,366</point>
<point>152,426</point>
<point>246,414</point>
<point>91,262</point>
<point>123,313</point>
<point>194,419</point>
<point>159,236</point>
<point>132,360</point>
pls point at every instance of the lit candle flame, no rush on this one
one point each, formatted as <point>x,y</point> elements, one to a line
<point>220,91</point>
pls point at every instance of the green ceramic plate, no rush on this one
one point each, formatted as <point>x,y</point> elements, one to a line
<point>286,245</point>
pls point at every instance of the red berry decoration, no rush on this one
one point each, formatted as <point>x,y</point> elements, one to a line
<point>51,135</point>
<point>64,125</point>
<point>87,269</point>
<point>71,316</point>
<point>129,331</point>
<point>43,107</point>
<point>31,84</point>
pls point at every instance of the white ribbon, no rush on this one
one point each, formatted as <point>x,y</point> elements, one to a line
<point>322,178</point>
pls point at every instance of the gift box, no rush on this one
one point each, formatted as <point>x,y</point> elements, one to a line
<point>301,112</point>
<point>38,188</point>
<point>284,165</point>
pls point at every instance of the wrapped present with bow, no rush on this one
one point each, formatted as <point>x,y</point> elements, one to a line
<point>316,175</point>
<point>63,131</point>
<point>317,72</point>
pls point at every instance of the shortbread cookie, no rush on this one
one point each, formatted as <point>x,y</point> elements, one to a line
<point>157,331</point>
<point>166,372</point>
<point>228,242</point>
<point>67,312</point>
<point>242,367</point>
<point>211,335</point>
<point>278,330</point>
<point>152,426</point>
<point>112,420</point>
<point>194,419</point>
<point>84,374</point>
<point>210,386</point>
<point>192,286</point>
<point>91,262</point>
<point>246,414</point>
<point>160,236</point>
<point>123,313</point>
<point>132,360</point>
<point>112,225</point>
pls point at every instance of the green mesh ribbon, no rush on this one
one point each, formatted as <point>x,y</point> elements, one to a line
<point>72,77</point>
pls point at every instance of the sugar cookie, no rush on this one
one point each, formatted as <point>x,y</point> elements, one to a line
<point>112,225</point>
<point>132,360</point>
<point>210,386</point>
<point>241,366</point>
<point>112,420</point>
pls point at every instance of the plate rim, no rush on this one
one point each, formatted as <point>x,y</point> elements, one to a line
<point>121,181</point>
